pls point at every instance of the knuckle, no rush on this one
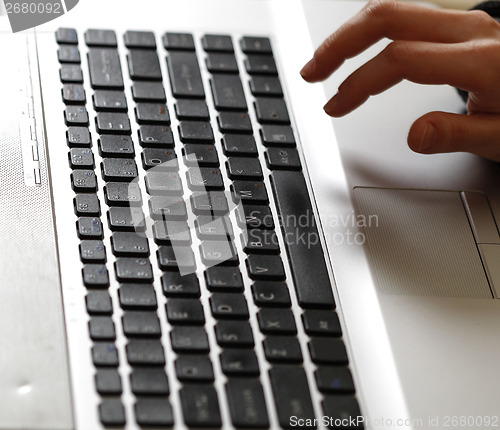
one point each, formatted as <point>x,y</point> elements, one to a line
<point>481,19</point>
<point>396,51</point>
<point>382,9</point>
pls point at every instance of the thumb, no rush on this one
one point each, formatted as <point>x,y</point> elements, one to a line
<point>438,132</point>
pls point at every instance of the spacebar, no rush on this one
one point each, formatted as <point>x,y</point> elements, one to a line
<point>307,261</point>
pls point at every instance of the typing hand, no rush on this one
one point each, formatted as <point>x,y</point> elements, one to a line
<point>429,46</point>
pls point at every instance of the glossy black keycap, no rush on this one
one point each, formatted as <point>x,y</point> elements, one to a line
<point>118,169</point>
<point>87,205</point>
<point>194,368</point>
<point>128,244</point>
<point>178,41</point>
<point>189,339</point>
<point>114,146</point>
<point>209,203</point>
<point>265,267</point>
<point>222,279</point>
<point>201,155</point>
<point>217,43</point>
<point>276,321</point>
<point>89,227</point>
<point>176,258</point>
<point>334,379</point>
<point>283,159</point>
<point>126,219</point>
<point>83,181</point>
<point>78,137</point>
<point>268,293</point>
<point>95,276</point>
<point>319,322</point>
<point>159,159</point>
<point>184,73</point>
<point>196,132</point>
<point>327,350</point>
<point>227,92</point>
<point>155,412</point>
<point>122,194</point>
<point>256,241</point>
<point>108,381</point>
<point>247,404</point>
<point>306,257</point>
<point>169,208</point>
<point>218,252</point>
<point>68,54</point>
<point>100,37</point>
<point>229,305</point>
<point>191,109</point>
<point>171,232</point>
<point>155,136</point>
<point>112,412</point>
<point>343,408</point>
<point>200,406</point>
<point>234,334</point>
<point>105,69</point>
<point>76,116</point>
<point>244,168</point>
<point>204,178</point>
<point>185,311</point>
<point>144,64</point>
<point>133,269</point>
<point>141,324</point>
<point>239,362</point>
<point>208,227</point>
<point>221,63</point>
<point>102,328</point>
<point>277,135</point>
<point>148,91</point>
<point>163,183</point>
<point>98,303</point>
<point>266,86</point>
<point>152,113</point>
<point>71,73</point>
<point>282,349</point>
<point>112,123</point>
<point>254,216</point>
<point>104,354</point>
<point>67,36</point>
<point>92,251</point>
<point>257,64</point>
<point>251,45</point>
<point>137,297</point>
<point>139,39</point>
<point>271,110</point>
<point>234,122</point>
<point>145,352</point>
<point>249,192</point>
<point>149,381</point>
<point>109,100</point>
<point>175,285</point>
<point>239,145</point>
<point>73,94</point>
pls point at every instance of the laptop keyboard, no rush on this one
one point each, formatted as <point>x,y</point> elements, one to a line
<point>210,273</point>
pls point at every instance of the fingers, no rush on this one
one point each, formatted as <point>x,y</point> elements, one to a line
<point>397,21</point>
<point>439,132</point>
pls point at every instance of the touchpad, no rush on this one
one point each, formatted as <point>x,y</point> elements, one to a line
<point>421,243</point>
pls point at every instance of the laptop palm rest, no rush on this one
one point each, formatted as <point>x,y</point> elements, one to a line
<point>422,243</point>
<point>34,383</point>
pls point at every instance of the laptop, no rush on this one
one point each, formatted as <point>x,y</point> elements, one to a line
<point>189,242</point>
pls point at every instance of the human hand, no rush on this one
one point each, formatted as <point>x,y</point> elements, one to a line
<point>429,46</point>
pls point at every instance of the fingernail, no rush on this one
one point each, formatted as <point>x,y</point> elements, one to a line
<point>428,138</point>
<point>308,68</point>
<point>331,107</point>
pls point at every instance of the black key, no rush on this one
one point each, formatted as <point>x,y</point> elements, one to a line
<point>67,36</point>
<point>185,311</point>
<point>330,379</point>
<point>306,258</point>
<point>204,178</point>
<point>133,270</point>
<point>247,403</point>
<point>116,146</point>
<point>126,219</point>
<point>257,64</point>
<point>344,409</point>
<point>257,241</point>
<point>159,158</point>
<point>155,136</point>
<point>254,216</point>
<point>83,181</point>
<point>73,94</point>
<point>78,137</point>
<point>108,100</point>
<point>265,267</point>
<point>200,406</point>
<point>189,339</point>
<point>276,321</point>
<point>95,276</point>
<point>108,381</point>
<point>283,159</point>
<point>209,203</point>
<point>234,122</point>
<point>228,92</point>
<point>148,91</point>
<point>277,135</point>
<point>200,155</point>
<point>149,382</point>
<point>213,228</point>
<point>89,227</point>
<point>171,232</point>
<point>184,73</point>
<point>100,37</point>
<point>282,349</point>
<point>112,412</point>
<point>249,192</point>
<point>152,113</point>
<point>87,205</point>
<point>217,43</point>
<point>225,279</point>
<point>266,86</point>
<point>145,352</point>
<point>271,111</point>
<point>92,251</point>
<point>76,116</point>
<point>122,194</point>
<point>102,328</point>
<point>144,64</point>
<point>221,63</point>
<point>154,412</point>
<point>71,73</point>
<point>327,351</point>
<point>291,394</point>
<point>139,39</point>
<point>98,303</point>
<point>112,123</point>
<point>227,305</point>
<point>137,296</point>
<point>141,324</point>
<point>104,354</point>
<point>239,145</point>
<point>127,244</point>
<point>178,41</point>
<point>244,168</point>
<point>118,169</point>
<point>169,208</point>
<point>321,323</point>
<point>180,257</point>
<point>194,368</point>
<point>234,334</point>
<point>191,109</point>
<point>105,69</point>
<point>175,285</point>
<point>271,294</point>
<point>239,362</point>
<point>196,132</point>
<point>254,45</point>
<point>163,183</point>
<point>68,54</point>
<point>218,252</point>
